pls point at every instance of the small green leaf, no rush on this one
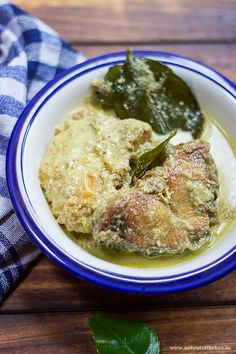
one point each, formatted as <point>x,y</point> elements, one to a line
<point>118,336</point>
<point>148,90</point>
<point>148,159</point>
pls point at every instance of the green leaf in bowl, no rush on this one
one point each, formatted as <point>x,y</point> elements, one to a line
<point>148,159</point>
<point>150,91</point>
<point>118,336</point>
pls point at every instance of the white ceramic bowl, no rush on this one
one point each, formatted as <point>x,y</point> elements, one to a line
<point>30,140</point>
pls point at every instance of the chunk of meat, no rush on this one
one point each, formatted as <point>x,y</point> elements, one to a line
<point>88,160</point>
<point>193,183</point>
<point>139,221</point>
<point>171,209</point>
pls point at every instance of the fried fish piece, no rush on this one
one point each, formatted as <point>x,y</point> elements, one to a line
<point>169,210</point>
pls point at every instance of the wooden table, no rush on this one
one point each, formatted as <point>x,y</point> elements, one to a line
<point>48,310</point>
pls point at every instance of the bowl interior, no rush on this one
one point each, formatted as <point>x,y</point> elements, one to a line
<point>65,96</point>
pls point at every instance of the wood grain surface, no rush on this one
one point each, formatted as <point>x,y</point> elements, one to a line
<point>104,21</point>
<point>67,332</point>
<point>48,311</point>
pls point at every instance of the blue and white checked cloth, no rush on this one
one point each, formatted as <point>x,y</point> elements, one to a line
<point>31,54</point>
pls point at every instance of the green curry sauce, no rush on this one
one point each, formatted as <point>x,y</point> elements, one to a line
<point>227,211</point>
<point>132,259</point>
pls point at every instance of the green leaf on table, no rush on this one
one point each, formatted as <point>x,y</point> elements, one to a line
<point>118,336</point>
<point>148,159</point>
<point>148,90</point>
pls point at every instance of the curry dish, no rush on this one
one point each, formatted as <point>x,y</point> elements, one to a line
<point>112,174</point>
<point>86,180</point>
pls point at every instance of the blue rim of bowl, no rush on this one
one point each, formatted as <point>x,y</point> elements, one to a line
<point>225,264</point>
